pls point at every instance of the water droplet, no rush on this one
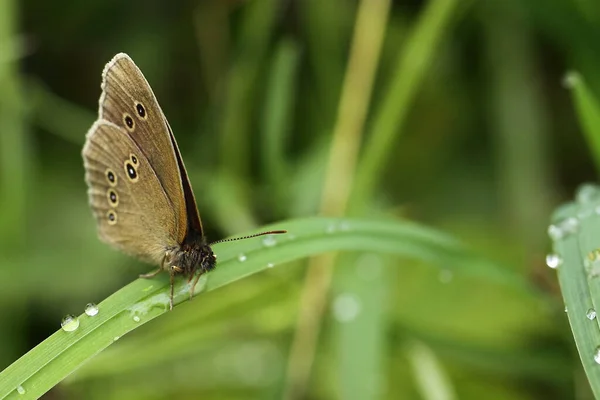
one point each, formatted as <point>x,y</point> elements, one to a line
<point>20,389</point>
<point>445,276</point>
<point>330,228</point>
<point>346,307</point>
<point>591,314</point>
<point>70,323</point>
<point>587,193</point>
<point>242,257</point>
<point>563,229</point>
<point>116,338</point>
<point>571,79</point>
<point>592,263</point>
<point>553,261</point>
<point>597,355</point>
<point>566,309</point>
<point>269,241</point>
<point>91,309</point>
<point>270,265</point>
<point>136,318</point>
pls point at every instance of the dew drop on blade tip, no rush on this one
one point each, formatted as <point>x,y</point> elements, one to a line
<point>70,323</point>
<point>91,309</point>
<point>269,241</point>
<point>553,261</point>
<point>597,355</point>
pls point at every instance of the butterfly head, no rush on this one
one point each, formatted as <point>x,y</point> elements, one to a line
<point>208,259</point>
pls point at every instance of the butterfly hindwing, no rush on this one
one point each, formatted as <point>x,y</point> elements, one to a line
<point>132,209</point>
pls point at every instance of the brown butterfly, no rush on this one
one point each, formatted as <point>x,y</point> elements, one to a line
<point>139,190</point>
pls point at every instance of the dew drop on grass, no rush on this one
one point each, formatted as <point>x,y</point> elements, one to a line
<point>136,318</point>
<point>116,338</point>
<point>553,260</point>
<point>70,323</point>
<point>597,355</point>
<point>91,309</point>
<point>242,257</point>
<point>269,241</point>
<point>587,193</point>
<point>591,314</point>
<point>20,389</point>
<point>563,228</point>
<point>270,265</point>
<point>346,307</point>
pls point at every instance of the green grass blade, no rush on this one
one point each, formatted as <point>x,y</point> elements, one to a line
<point>255,32</point>
<point>278,111</point>
<point>588,111</point>
<point>142,300</point>
<point>16,159</point>
<point>431,377</point>
<point>391,115</point>
<point>575,230</point>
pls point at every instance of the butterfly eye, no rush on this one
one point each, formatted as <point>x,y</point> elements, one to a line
<point>111,216</point>
<point>111,177</point>
<point>112,197</point>
<point>131,171</point>
<point>140,110</point>
<point>128,122</point>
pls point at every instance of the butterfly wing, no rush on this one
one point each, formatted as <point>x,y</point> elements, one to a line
<point>132,208</point>
<point>128,102</point>
<point>193,218</point>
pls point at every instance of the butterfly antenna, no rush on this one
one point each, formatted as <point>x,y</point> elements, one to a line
<point>250,236</point>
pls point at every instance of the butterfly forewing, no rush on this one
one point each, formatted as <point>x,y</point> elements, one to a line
<point>132,209</point>
<point>128,101</point>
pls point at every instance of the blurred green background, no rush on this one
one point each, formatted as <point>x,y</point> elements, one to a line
<point>484,143</point>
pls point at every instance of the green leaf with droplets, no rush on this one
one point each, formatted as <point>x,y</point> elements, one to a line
<point>144,299</point>
<point>575,231</point>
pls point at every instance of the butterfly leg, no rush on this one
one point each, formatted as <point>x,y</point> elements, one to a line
<point>172,282</point>
<point>151,274</point>
<point>172,272</point>
<point>194,284</point>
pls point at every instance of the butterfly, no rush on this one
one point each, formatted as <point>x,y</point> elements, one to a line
<point>138,187</point>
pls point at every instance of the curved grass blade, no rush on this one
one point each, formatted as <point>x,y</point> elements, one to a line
<point>144,299</point>
<point>575,231</point>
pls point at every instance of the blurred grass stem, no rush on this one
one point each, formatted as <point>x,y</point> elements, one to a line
<point>347,135</point>
<point>391,115</point>
<point>14,161</point>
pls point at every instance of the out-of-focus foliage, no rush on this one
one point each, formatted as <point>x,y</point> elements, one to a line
<point>467,129</point>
